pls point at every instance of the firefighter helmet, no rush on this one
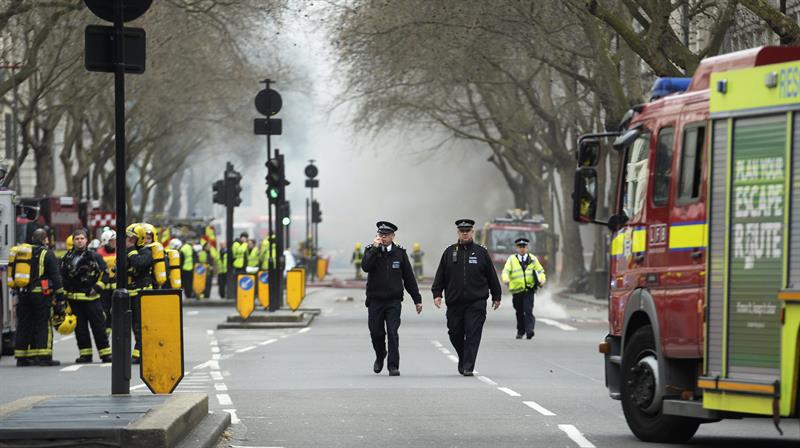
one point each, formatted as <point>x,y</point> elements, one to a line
<point>151,230</point>
<point>416,247</point>
<point>68,242</point>
<point>136,230</point>
<point>175,244</point>
<point>358,246</point>
<point>108,237</point>
<point>65,323</point>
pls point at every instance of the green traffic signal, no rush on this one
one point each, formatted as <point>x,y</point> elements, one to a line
<point>286,220</point>
<point>273,193</point>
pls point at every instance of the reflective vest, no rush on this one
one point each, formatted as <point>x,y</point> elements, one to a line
<point>252,258</point>
<point>266,259</point>
<point>520,280</point>
<point>357,255</point>
<point>239,250</point>
<point>221,260</point>
<point>188,257</point>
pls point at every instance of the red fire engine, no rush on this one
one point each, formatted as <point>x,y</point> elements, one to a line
<point>498,237</point>
<point>704,312</point>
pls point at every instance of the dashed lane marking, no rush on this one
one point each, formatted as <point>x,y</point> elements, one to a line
<point>445,351</point>
<point>192,313</point>
<point>75,367</point>
<point>224,399</point>
<point>452,358</point>
<point>538,408</point>
<point>268,341</point>
<point>212,364</point>
<point>138,386</point>
<point>216,375</point>
<point>220,387</point>
<point>509,391</point>
<point>214,349</point>
<point>557,324</point>
<point>234,418</point>
<point>246,349</point>
<point>209,332</point>
<point>576,436</point>
<point>436,344</point>
<point>487,380</point>
<point>305,330</point>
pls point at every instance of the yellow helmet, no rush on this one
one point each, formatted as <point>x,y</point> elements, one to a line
<point>65,324</point>
<point>358,246</point>
<point>150,229</point>
<point>136,229</point>
<point>68,242</point>
<point>416,247</point>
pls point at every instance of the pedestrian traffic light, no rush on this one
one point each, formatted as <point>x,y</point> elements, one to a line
<point>234,196</point>
<point>219,192</point>
<point>316,213</point>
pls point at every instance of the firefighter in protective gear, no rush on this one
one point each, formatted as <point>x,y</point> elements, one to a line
<point>524,275</point>
<point>416,258</point>
<point>267,253</point>
<point>140,278</point>
<point>108,250</point>
<point>159,267</point>
<point>213,266</point>
<point>222,268</point>
<point>201,272</point>
<point>358,255</point>
<point>82,271</point>
<point>239,252</point>
<point>36,299</point>
<point>187,269</point>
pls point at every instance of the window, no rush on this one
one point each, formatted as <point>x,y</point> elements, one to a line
<point>663,168</point>
<point>691,163</point>
<point>503,239</point>
<point>635,187</point>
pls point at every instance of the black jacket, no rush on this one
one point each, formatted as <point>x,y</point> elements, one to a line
<point>466,274</point>
<point>387,273</point>
<point>140,260</point>
<point>51,270</point>
<point>81,270</point>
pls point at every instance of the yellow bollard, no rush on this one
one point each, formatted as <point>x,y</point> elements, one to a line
<point>295,288</point>
<point>245,294</point>
<point>263,289</point>
<point>322,268</point>
<point>162,340</point>
<point>199,279</point>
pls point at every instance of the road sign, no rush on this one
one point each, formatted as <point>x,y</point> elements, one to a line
<point>263,288</point>
<point>162,340</point>
<point>268,102</point>
<point>100,49</point>
<point>311,171</point>
<point>295,288</point>
<point>131,9</point>
<point>312,183</point>
<point>245,295</point>
<point>267,126</point>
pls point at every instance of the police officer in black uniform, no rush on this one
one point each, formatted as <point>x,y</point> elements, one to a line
<point>466,275</point>
<point>34,336</point>
<point>388,271</point>
<point>82,271</point>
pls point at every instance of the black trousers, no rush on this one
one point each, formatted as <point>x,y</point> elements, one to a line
<point>465,327</point>
<point>34,337</point>
<point>222,280</point>
<point>136,324</point>
<point>90,313</point>
<point>209,280</point>
<point>384,320</point>
<point>523,305</point>
<point>186,283</point>
<point>105,301</point>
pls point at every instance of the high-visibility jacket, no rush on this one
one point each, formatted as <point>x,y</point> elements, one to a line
<point>202,257</point>
<point>267,255</point>
<point>357,255</point>
<point>187,253</point>
<point>239,251</point>
<point>519,279</point>
<point>214,257</point>
<point>253,258</point>
<point>221,260</point>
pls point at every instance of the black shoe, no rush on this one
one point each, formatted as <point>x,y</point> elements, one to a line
<point>460,370</point>
<point>25,362</point>
<point>47,362</point>
<point>378,366</point>
<point>519,335</point>
<point>136,360</point>
<point>83,360</point>
<point>467,373</point>
<point>530,335</point>
<point>105,359</point>
<point>394,372</point>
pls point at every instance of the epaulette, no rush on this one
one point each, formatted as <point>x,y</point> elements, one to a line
<point>399,246</point>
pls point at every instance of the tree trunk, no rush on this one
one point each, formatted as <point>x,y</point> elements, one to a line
<point>45,166</point>
<point>176,203</point>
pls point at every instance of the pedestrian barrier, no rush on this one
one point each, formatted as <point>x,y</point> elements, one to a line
<point>245,294</point>
<point>295,287</point>
<point>162,339</point>
<point>322,268</point>
<point>199,279</point>
<point>263,289</point>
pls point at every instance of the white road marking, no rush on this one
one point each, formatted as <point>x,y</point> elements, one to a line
<point>209,332</point>
<point>538,408</point>
<point>212,364</point>
<point>234,418</point>
<point>213,342</point>
<point>509,391</point>
<point>192,313</point>
<point>224,399</point>
<point>138,386</point>
<point>216,376</point>
<point>305,330</point>
<point>487,380</point>
<point>284,336</point>
<point>436,344</point>
<point>215,356</point>
<point>65,338</point>
<point>72,368</point>
<point>453,358</point>
<point>268,341</point>
<point>221,387</point>
<point>445,351</point>
<point>576,436</point>
<point>557,324</point>
<point>214,349</point>
<point>246,349</point>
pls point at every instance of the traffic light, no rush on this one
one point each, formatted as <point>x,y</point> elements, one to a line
<point>276,179</point>
<point>287,214</point>
<point>235,196</point>
<point>219,192</point>
<point>316,213</point>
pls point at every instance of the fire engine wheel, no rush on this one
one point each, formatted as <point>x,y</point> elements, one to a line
<point>641,400</point>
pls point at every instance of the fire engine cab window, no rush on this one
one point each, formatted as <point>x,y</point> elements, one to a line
<point>693,140</point>
<point>636,177</point>
<point>663,168</point>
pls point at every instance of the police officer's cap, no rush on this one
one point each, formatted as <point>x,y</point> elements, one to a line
<point>465,224</point>
<point>521,241</point>
<point>385,227</point>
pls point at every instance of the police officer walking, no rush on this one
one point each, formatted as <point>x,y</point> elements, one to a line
<point>466,275</point>
<point>34,336</point>
<point>524,275</point>
<point>388,271</point>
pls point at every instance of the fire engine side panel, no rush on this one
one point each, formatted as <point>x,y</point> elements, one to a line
<point>794,231</point>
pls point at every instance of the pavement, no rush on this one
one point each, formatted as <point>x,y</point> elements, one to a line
<point>314,386</point>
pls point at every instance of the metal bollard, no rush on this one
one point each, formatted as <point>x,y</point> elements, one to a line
<point>121,342</point>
